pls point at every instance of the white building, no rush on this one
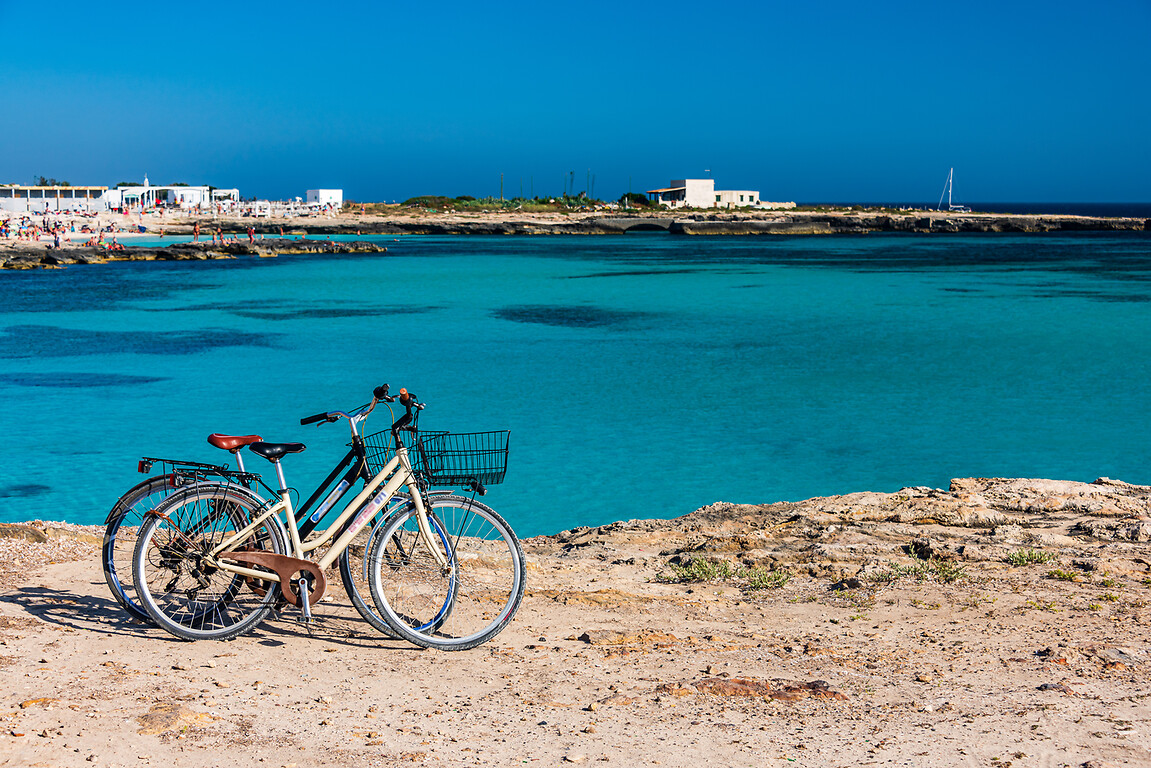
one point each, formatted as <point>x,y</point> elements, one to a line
<point>20,199</point>
<point>701,193</point>
<point>175,196</point>
<point>333,197</point>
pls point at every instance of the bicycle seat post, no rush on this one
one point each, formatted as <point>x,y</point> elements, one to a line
<point>280,476</point>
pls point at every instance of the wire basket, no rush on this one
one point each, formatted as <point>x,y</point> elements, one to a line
<point>460,458</point>
<point>447,458</point>
<point>379,449</point>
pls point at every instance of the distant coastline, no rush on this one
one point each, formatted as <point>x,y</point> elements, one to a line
<point>286,234</point>
<point>1103,210</point>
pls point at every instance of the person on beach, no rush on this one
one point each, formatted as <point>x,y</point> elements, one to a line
<point>251,234</point>
<point>220,234</point>
<point>196,232</point>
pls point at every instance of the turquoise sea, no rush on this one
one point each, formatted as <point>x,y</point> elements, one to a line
<point>641,375</point>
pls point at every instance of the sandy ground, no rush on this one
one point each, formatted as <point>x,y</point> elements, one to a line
<point>858,654</point>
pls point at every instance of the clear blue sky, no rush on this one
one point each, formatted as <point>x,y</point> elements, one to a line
<point>831,101</point>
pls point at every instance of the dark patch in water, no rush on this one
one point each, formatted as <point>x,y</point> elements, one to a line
<point>76,380</point>
<point>334,312</point>
<point>286,310</point>
<point>23,491</point>
<point>639,273</point>
<point>569,317</point>
<point>1106,296</point>
<point>27,341</point>
<point>81,290</point>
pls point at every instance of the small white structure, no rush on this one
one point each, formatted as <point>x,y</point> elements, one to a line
<point>701,193</point>
<point>333,197</point>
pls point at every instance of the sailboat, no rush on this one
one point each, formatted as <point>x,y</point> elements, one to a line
<point>947,192</point>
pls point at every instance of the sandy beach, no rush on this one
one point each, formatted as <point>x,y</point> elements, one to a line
<point>999,622</point>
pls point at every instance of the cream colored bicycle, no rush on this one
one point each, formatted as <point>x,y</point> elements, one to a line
<point>443,570</point>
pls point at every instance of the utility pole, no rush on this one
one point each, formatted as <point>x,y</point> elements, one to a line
<point>501,187</point>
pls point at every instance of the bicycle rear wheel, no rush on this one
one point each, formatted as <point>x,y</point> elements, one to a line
<point>181,586</point>
<point>484,574</point>
<point>122,526</point>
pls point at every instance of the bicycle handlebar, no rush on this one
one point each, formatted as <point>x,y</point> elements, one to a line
<point>407,399</point>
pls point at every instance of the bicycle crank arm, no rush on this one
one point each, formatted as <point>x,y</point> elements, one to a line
<point>284,567</point>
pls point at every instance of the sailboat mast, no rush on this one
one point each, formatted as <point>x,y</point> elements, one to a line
<point>946,191</point>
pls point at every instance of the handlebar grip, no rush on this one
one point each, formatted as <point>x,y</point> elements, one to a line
<point>405,398</point>
<point>314,419</point>
<point>380,392</point>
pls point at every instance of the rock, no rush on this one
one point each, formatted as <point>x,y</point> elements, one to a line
<point>745,686</point>
<point>22,531</point>
<point>168,717</point>
<point>45,701</point>
<point>619,637</point>
<point>921,548</point>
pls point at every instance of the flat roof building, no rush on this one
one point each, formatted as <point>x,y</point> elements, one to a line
<point>701,193</point>
<point>334,197</point>
<point>18,198</point>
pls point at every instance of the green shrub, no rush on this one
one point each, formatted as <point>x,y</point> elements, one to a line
<point>761,578</point>
<point>705,569</point>
<point>1029,556</point>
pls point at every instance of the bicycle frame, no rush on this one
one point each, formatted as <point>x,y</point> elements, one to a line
<point>394,475</point>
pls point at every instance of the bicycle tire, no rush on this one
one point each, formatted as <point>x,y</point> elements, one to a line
<point>356,582</point>
<point>185,595</point>
<point>485,575</point>
<point>120,533</point>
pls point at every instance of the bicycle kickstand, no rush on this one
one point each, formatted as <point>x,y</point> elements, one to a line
<point>305,604</point>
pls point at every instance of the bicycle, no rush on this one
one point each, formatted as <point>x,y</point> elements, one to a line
<point>443,571</point>
<point>127,514</point>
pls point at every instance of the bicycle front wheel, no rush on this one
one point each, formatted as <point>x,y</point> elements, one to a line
<point>483,579</point>
<point>354,571</point>
<point>120,531</point>
<point>182,587</point>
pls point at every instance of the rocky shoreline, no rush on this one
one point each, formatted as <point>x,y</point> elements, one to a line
<point>35,256</point>
<point>790,224</point>
<point>996,622</point>
<point>289,236</point>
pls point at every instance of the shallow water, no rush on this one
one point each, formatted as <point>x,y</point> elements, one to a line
<point>641,375</point>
